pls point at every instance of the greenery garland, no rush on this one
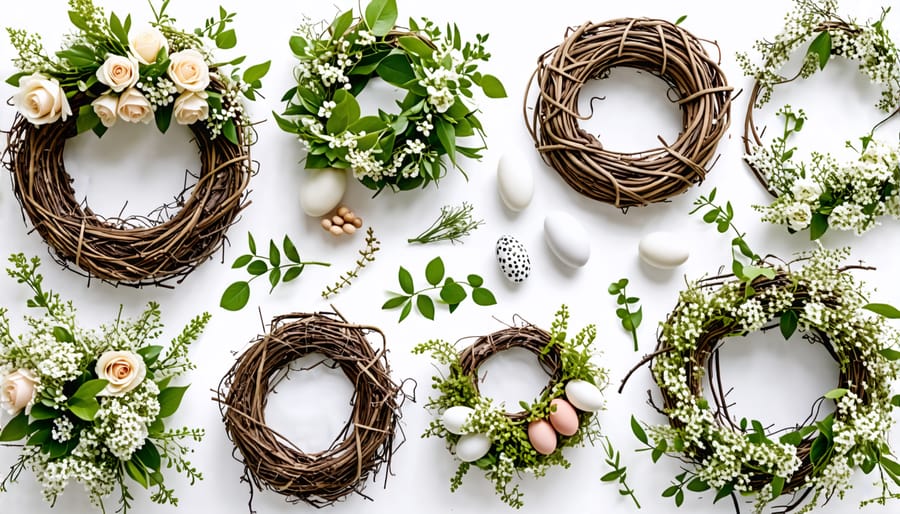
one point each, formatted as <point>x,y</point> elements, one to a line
<point>90,405</point>
<point>511,451</point>
<point>823,192</point>
<point>435,68</point>
<point>815,460</point>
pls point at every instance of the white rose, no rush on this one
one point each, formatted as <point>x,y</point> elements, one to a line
<point>798,215</point>
<point>134,107</point>
<point>146,43</point>
<point>17,391</point>
<point>188,70</point>
<point>806,190</point>
<point>191,107</point>
<point>105,108</point>
<point>41,100</point>
<point>119,72</point>
<point>124,371</point>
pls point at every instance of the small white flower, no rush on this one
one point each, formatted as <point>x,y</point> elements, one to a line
<point>806,190</point>
<point>798,215</point>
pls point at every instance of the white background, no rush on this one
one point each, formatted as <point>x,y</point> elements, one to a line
<point>773,381</point>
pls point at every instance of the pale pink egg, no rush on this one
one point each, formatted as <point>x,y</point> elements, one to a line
<point>564,418</point>
<point>542,436</point>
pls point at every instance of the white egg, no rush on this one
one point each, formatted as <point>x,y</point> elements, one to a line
<point>567,239</point>
<point>584,395</point>
<point>455,417</point>
<point>472,447</point>
<point>322,191</point>
<point>513,259</point>
<point>515,182</point>
<point>664,250</point>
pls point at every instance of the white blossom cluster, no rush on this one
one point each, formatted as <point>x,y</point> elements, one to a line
<point>159,91</point>
<point>232,108</point>
<point>122,421</point>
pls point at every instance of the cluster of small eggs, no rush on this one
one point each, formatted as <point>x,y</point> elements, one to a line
<point>343,222</point>
<point>542,434</point>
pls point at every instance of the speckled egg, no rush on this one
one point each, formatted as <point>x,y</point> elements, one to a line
<point>563,417</point>
<point>542,436</point>
<point>513,259</point>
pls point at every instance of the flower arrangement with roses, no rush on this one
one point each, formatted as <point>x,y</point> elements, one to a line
<point>91,405</point>
<point>108,70</point>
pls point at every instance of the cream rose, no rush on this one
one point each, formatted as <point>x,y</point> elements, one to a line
<point>118,72</point>
<point>188,70</point>
<point>191,107</point>
<point>134,107</point>
<point>105,108</point>
<point>124,370</point>
<point>41,100</point>
<point>146,43</point>
<point>17,391</point>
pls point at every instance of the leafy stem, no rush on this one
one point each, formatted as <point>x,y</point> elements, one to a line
<point>366,255</point>
<point>454,223</point>
<point>618,473</point>
<point>630,320</point>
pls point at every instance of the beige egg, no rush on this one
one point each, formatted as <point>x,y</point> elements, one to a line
<point>349,217</point>
<point>342,210</point>
<point>542,436</point>
<point>563,417</point>
<point>349,229</point>
<point>336,230</point>
<point>357,222</point>
<point>326,223</point>
<point>337,220</point>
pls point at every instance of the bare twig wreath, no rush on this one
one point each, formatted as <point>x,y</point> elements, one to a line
<point>135,250</point>
<point>367,439</point>
<point>628,179</point>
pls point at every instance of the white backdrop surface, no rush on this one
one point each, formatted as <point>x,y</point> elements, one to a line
<point>773,381</point>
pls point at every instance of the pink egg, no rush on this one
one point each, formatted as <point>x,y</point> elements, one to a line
<point>542,436</point>
<point>563,418</point>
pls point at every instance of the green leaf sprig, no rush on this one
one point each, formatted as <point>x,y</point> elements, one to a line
<point>619,472</point>
<point>454,223</point>
<point>630,320</point>
<point>451,292</point>
<point>272,265</point>
<point>366,255</point>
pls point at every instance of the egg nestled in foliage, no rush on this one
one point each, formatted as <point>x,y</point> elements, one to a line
<point>513,259</point>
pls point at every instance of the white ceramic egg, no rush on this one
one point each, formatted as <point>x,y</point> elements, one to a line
<point>664,250</point>
<point>515,182</point>
<point>567,239</point>
<point>472,447</point>
<point>584,395</point>
<point>542,436</point>
<point>322,191</point>
<point>455,417</point>
<point>513,259</point>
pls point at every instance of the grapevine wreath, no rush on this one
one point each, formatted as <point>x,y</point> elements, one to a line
<point>110,71</point>
<point>362,447</point>
<point>813,461</point>
<point>590,52</point>
<point>823,193</point>
<point>402,150</point>
<point>485,435</point>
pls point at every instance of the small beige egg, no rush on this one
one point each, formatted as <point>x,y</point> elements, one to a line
<point>357,222</point>
<point>336,230</point>
<point>542,436</point>
<point>326,223</point>
<point>349,229</point>
<point>337,220</point>
<point>342,210</point>
<point>563,417</point>
<point>349,217</point>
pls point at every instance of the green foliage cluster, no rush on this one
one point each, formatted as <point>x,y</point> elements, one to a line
<point>451,292</point>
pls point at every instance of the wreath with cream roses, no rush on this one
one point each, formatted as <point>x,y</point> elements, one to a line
<point>824,193</point>
<point>109,71</point>
<point>812,461</point>
<point>435,69</point>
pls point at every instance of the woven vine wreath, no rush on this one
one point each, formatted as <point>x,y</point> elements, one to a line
<point>366,442</point>
<point>590,52</point>
<point>823,193</point>
<point>483,434</point>
<point>111,71</point>
<point>434,68</point>
<point>808,463</point>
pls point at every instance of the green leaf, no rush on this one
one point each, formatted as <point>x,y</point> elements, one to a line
<point>274,254</point>
<point>226,39</point>
<point>149,456</point>
<point>678,22</point>
<point>230,131</point>
<point>256,72</point>
<point>242,261</point>
<point>16,428</point>
<point>475,280</point>
<point>84,409</point>
<point>834,394</point>
<point>290,251</point>
<point>483,297</point>
<point>163,117</point>
<point>380,16</point>
<point>415,45</point>
<point>251,243</point>
<point>40,437</point>
<point>343,114</point>
<point>883,309</point>
<point>819,449</point>
<point>292,273</point>
<point>406,310</point>
<point>791,438</point>
<point>821,48</point>
<point>724,491</point>
<point>818,225</point>
<point>453,293</point>
<point>87,119</point>
<point>670,491</point>
<point>89,389</point>
<point>63,335</point>
<point>394,302</point>
<point>298,45</point>
<point>889,465</point>
<point>39,411</point>
<point>434,271</point>
<point>169,400</point>
<point>697,485</point>
<point>396,70</point>
<point>274,278</point>
<point>639,431</point>
<point>447,137</point>
<point>613,475</point>
<point>777,486</point>
<point>751,272</point>
<point>788,323</point>
<point>425,305</point>
<point>235,296</point>
<point>492,87</point>
<point>711,216</point>
<point>895,401</point>
<point>137,474</point>
<point>150,353</point>
<point>889,354</point>
<point>679,498</point>
<point>406,281</point>
<point>257,267</point>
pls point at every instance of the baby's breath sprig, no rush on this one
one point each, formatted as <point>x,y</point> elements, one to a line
<point>366,256</point>
<point>454,223</point>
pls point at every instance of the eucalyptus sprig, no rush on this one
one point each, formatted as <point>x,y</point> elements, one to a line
<point>454,223</point>
<point>619,472</point>
<point>452,292</point>
<point>237,294</point>
<point>366,255</point>
<point>630,320</point>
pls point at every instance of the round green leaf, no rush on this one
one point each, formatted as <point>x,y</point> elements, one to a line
<point>483,297</point>
<point>434,272</point>
<point>452,293</point>
<point>236,296</point>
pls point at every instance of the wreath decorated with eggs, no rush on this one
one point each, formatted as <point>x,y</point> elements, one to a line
<point>483,434</point>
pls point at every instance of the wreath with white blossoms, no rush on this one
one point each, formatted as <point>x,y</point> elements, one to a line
<point>812,461</point>
<point>825,193</point>
<point>435,69</point>
<point>109,71</point>
<point>504,444</point>
<point>90,405</point>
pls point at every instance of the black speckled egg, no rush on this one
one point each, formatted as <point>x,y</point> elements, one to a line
<point>512,257</point>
